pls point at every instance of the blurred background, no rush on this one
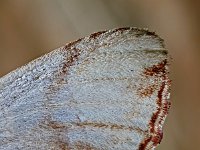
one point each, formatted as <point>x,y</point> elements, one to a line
<point>31,28</point>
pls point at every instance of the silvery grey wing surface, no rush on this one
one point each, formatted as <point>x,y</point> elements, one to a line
<point>107,91</point>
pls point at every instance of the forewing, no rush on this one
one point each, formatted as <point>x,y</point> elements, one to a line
<point>105,91</point>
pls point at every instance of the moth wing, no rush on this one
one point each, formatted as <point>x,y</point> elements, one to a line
<point>105,91</point>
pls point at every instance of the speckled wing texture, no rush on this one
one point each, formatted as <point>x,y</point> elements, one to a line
<point>107,91</point>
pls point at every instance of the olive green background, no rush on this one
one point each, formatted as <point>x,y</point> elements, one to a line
<point>30,28</point>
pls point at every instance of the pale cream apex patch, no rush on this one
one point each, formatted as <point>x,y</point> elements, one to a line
<point>107,91</point>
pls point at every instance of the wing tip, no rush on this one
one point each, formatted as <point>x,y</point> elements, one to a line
<point>138,32</point>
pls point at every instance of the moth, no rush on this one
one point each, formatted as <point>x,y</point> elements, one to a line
<point>106,91</point>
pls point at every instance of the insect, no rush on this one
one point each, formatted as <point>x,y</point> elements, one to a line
<point>106,91</point>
